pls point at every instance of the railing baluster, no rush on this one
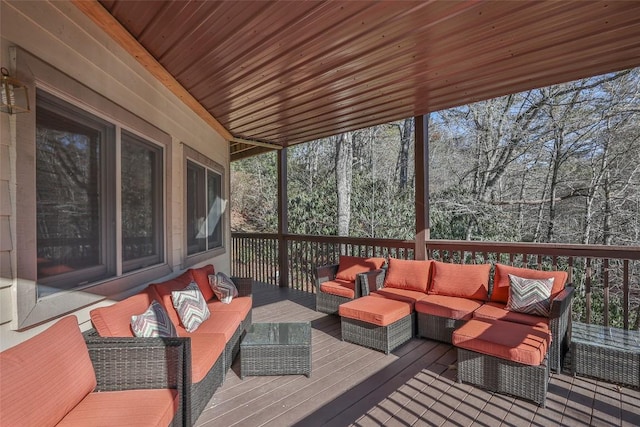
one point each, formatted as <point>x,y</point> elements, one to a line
<point>605,277</point>
<point>587,290</point>
<point>625,285</point>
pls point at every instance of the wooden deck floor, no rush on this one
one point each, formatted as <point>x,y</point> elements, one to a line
<point>415,385</point>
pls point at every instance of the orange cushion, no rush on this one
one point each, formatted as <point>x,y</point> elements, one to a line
<point>240,305</point>
<point>45,377</point>
<point>164,290</point>
<point>375,310</point>
<point>219,322</point>
<point>398,294</point>
<point>501,283</point>
<point>450,307</point>
<point>341,288</point>
<point>511,341</point>
<point>122,408</point>
<point>115,320</point>
<point>201,276</point>
<point>205,351</point>
<point>408,274</point>
<point>460,280</point>
<point>498,311</point>
<point>350,266</point>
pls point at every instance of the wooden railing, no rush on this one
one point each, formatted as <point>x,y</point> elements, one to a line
<point>606,278</point>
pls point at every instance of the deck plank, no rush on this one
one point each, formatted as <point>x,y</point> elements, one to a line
<point>413,386</point>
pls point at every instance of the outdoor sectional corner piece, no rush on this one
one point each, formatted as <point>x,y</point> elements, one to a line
<point>56,378</point>
<point>211,348</point>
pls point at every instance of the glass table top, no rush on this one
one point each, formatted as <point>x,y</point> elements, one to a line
<point>614,338</point>
<point>298,333</point>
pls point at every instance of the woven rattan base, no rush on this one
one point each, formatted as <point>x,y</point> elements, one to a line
<point>436,327</point>
<point>504,376</point>
<point>382,338</point>
<point>328,303</point>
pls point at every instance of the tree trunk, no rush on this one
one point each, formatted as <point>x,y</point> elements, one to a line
<point>402,166</point>
<point>344,174</point>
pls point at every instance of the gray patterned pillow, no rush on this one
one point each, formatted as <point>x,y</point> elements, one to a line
<point>191,306</point>
<point>154,322</point>
<point>530,296</point>
<point>223,287</point>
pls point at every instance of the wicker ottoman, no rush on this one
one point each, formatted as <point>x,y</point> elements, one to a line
<point>504,357</point>
<point>610,354</point>
<point>377,322</point>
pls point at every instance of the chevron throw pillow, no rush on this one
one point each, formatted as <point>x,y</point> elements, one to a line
<point>530,296</point>
<point>223,287</point>
<point>154,322</point>
<point>191,306</point>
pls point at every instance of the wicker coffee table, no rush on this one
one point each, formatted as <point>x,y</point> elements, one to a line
<point>610,354</point>
<point>276,349</point>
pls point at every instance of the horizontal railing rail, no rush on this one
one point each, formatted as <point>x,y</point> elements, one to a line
<point>606,278</point>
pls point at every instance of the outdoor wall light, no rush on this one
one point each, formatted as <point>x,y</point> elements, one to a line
<point>14,97</point>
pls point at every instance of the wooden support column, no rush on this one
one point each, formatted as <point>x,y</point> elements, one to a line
<point>283,220</point>
<point>422,185</point>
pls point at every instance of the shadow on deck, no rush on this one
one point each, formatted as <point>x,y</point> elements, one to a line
<point>414,385</point>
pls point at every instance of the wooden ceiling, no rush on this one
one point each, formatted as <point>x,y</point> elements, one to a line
<point>286,72</point>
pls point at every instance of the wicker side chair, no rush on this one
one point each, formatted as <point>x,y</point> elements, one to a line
<point>327,300</point>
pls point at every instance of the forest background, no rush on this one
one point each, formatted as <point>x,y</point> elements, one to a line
<point>556,164</point>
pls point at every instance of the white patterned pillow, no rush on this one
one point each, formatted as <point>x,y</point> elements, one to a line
<point>223,287</point>
<point>191,306</point>
<point>154,322</point>
<point>530,296</point>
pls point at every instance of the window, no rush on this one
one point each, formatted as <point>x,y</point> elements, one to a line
<point>77,198</point>
<point>204,209</point>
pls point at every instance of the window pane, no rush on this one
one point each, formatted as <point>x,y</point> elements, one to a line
<point>215,210</point>
<point>68,169</point>
<point>196,209</point>
<point>141,208</point>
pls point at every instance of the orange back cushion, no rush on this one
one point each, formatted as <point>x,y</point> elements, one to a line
<point>201,276</point>
<point>115,320</point>
<point>500,292</point>
<point>461,280</point>
<point>45,377</point>
<point>164,290</point>
<point>408,274</point>
<point>351,266</point>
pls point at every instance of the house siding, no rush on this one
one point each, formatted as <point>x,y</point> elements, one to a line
<point>61,36</point>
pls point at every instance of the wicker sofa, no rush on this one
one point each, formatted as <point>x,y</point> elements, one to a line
<point>56,378</point>
<point>445,296</point>
<point>211,348</point>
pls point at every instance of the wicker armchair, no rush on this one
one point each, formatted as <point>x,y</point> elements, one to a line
<point>326,302</point>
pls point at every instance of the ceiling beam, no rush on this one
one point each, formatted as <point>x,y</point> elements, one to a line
<point>256,143</point>
<point>103,19</point>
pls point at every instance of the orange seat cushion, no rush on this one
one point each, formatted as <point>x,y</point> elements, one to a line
<point>240,305</point>
<point>501,283</point>
<point>45,377</point>
<point>506,340</point>
<point>498,311</point>
<point>341,288</point>
<point>450,307</point>
<point>125,408</point>
<point>219,322</point>
<point>460,280</point>
<point>408,274</point>
<point>350,266</point>
<point>205,351</point>
<point>375,310</point>
<point>399,294</point>
<point>115,320</point>
<point>201,276</point>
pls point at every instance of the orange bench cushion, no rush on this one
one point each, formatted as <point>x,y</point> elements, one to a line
<point>124,408</point>
<point>45,377</point>
<point>398,294</point>
<point>164,290</point>
<point>240,305</point>
<point>498,311</point>
<point>115,320</point>
<point>501,283</point>
<point>375,310</point>
<point>460,280</point>
<point>205,351</point>
<point>350,266</point>
<point>450,307</point>
<point>219,322</point>
<point>408,274</point>
<point>341,288</point>
<point>201,276</point>
<point>506,340</point>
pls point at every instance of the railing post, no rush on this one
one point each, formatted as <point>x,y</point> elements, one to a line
<point>283,220</point>
<point>421,143</point>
